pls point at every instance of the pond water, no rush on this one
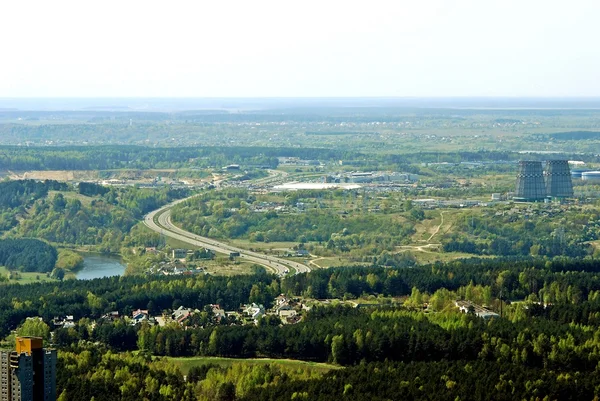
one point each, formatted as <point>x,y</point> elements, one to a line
<point>96,266</point>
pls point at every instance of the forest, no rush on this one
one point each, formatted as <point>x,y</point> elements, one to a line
<point>227,214</point>
<point>532,231</point>
<point>537,349</point>
<point>27,255</point>
<point>102,218</point>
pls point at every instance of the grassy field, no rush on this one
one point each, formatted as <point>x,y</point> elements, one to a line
<point>273,247</point>
<point>26,278</point>
<point>334,261</point>
<point>85,200</point>
<point>184,364</point>
<point>223,267</point>
<point>178,244</point>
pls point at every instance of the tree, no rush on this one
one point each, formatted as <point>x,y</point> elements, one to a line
<point>58,273</point>
<point>34,327</point>
<point>226,392</point>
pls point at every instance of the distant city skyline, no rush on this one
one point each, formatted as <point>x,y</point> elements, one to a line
<point>313,48</point>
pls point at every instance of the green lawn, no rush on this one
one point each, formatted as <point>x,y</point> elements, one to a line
<point>335,261</point>
<point>26,278</point>
<point>85,200</point>
<point>185,364</point>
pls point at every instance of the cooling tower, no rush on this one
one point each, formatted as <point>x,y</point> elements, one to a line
<point>558,179</point>
<point>530,182</point>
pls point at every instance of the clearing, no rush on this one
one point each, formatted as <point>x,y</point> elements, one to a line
<point>185,364</point>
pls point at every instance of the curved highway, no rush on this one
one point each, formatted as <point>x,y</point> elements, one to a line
<point>167,228</point>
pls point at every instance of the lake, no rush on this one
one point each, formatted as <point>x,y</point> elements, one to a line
<point>96,266</point>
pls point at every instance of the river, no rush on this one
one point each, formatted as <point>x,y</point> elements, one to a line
<point>96,266</point>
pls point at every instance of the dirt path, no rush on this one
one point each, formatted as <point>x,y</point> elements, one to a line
<point>437,229</point>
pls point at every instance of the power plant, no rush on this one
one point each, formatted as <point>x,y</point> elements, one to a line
<point>530,182</point>
<point>558,179</point>
<point>534,184</point>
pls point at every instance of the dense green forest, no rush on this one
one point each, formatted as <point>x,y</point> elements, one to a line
<point>530,347</point>
<point>28,255</point>
<point>103,217</point>
<point>138,157</point>
<point>109,157</point>
<point>93,298</point>
<point>546,340</point>
<point>443,380</point>
<point>22,193</point>
<point>532,231</point>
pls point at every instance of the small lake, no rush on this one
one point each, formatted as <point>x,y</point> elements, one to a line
<point>97,266</point>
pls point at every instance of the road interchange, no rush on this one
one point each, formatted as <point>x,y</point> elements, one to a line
<point>160,221</point>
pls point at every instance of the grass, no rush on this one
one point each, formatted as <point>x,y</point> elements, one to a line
<point>334,261</point>
<point>178,244</point>
<point>26,278</point>
<point>184,364</point>
<point>85,200</point>
<point>263,246</point>
<point>220,267</point>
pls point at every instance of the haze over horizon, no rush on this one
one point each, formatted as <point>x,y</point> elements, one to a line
<point>310,49</point>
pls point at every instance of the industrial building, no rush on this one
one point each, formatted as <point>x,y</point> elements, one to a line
<point>558,179</point>
<point>530,182</point>
<point>591,176</point>
<point>535,184</point>
<point>29,372</point>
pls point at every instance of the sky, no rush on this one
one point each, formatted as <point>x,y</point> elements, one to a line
<point>325,48</point>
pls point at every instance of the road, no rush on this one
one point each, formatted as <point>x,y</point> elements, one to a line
<point>167,228</point>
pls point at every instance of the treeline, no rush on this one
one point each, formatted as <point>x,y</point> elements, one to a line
<point>548,281</point>
<point>98,374</point>
<point>139,157</point>
<point>105,221</point>
<point>523,232</point>
<point>443,381</point>
<point>349,336</point>
<point>27,255</point>
<point>93,298</point>
<point>23,192</point>
<point>103,157</point>
<point>574,135</point>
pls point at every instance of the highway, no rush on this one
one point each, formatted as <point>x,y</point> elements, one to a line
<point>167,228</point>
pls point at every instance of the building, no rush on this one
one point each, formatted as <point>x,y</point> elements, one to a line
<point>479,311</point>
<point>591,176</point>
<point>29,372</point>
<point>179,253</point>
<point>530,182</point>
<point>558,179</point>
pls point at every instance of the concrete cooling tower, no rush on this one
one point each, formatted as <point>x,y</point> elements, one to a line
<point>558,179</point>
<point>530,182</point>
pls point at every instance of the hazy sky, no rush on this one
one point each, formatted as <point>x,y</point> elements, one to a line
<point>228,48</point>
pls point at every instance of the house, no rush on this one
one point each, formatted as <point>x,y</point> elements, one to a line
<point>179,253</point>
<point>110,316</point>
<point>281,299</point>
<point>292,319</point>
<point>302,253</point>
<point>467,306</point>
<point>139,315</point>
<point>217,311</point>
<point>254,311</point>
<point>182,313</point>
<point>284,314</point>
<point>66,322</point>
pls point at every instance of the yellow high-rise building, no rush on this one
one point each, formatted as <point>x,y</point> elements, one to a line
<point>29,372</point>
